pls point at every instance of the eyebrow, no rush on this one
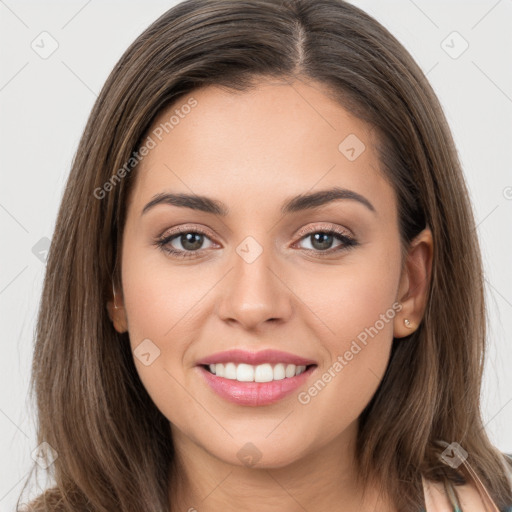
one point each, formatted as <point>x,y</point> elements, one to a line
<point>295,204</point>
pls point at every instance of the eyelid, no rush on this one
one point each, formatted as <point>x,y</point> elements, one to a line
<point>324,227</point>
<point>300,234</point>
<point>185,227</point>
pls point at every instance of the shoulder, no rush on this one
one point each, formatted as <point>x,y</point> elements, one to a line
<point>469,496</point>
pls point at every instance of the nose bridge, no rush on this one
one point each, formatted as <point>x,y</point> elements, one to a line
<point>253,292</point>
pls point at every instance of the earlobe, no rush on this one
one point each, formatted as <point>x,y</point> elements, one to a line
<point>117,314</point>
<point>414,284</point>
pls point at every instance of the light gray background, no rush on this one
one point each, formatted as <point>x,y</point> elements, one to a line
<point>45,103</point>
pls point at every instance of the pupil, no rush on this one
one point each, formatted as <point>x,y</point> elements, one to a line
<point>325,240</point>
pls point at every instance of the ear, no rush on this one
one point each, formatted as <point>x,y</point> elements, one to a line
<point>414,284</point>
<point>117,313</point>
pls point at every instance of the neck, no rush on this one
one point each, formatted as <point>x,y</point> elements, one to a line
<point>323,479</point>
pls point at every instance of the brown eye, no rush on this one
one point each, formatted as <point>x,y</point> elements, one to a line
<point>191,241</point>
<point>183,244</point>
<point>322,240</point>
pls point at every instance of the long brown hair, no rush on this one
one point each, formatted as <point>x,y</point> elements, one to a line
<point>114,447</point>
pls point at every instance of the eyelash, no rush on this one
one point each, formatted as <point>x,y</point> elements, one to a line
<point>348,242</point>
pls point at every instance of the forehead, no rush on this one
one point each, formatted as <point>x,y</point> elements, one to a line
<point>265,143</point>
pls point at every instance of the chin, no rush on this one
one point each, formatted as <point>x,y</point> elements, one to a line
<point>258,452</point>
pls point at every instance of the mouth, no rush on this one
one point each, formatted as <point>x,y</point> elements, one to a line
<point>247,385</point>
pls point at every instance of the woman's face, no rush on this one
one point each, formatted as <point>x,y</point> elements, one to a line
<point>263,275</point>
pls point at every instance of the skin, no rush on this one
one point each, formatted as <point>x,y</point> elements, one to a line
<point>252,151</point>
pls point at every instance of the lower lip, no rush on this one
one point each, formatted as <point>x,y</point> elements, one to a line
<point>255,393</point>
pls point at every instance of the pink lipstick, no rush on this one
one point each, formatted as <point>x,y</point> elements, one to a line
<point>255,378</point>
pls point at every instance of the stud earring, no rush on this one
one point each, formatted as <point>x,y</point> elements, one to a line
<point>407,323</point>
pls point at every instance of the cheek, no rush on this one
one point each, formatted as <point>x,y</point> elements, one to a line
<point>154,328</point>
<point>356,305</point>
<point>353,323</point>
<point>159,296</point>
<point>355,295</point>
<point>161,302</point>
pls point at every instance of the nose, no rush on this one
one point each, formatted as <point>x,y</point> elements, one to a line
<point>254,294</point>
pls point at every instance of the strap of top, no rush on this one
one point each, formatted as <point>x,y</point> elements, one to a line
<point>472,496</point>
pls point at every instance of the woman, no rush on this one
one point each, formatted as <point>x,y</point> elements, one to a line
<point>261,293</point>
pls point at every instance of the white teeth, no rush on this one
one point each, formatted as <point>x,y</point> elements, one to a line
<point>279,372</point>
<point>290,370</point>
<point>245,373</point>
<point>230,371</point>
<point>260,373</point>
<point>263,373</point>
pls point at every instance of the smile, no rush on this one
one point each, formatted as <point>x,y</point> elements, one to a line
<point>262,373</point>
<point>253,393</point>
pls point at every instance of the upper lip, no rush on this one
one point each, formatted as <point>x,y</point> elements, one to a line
<point>254,358</point>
